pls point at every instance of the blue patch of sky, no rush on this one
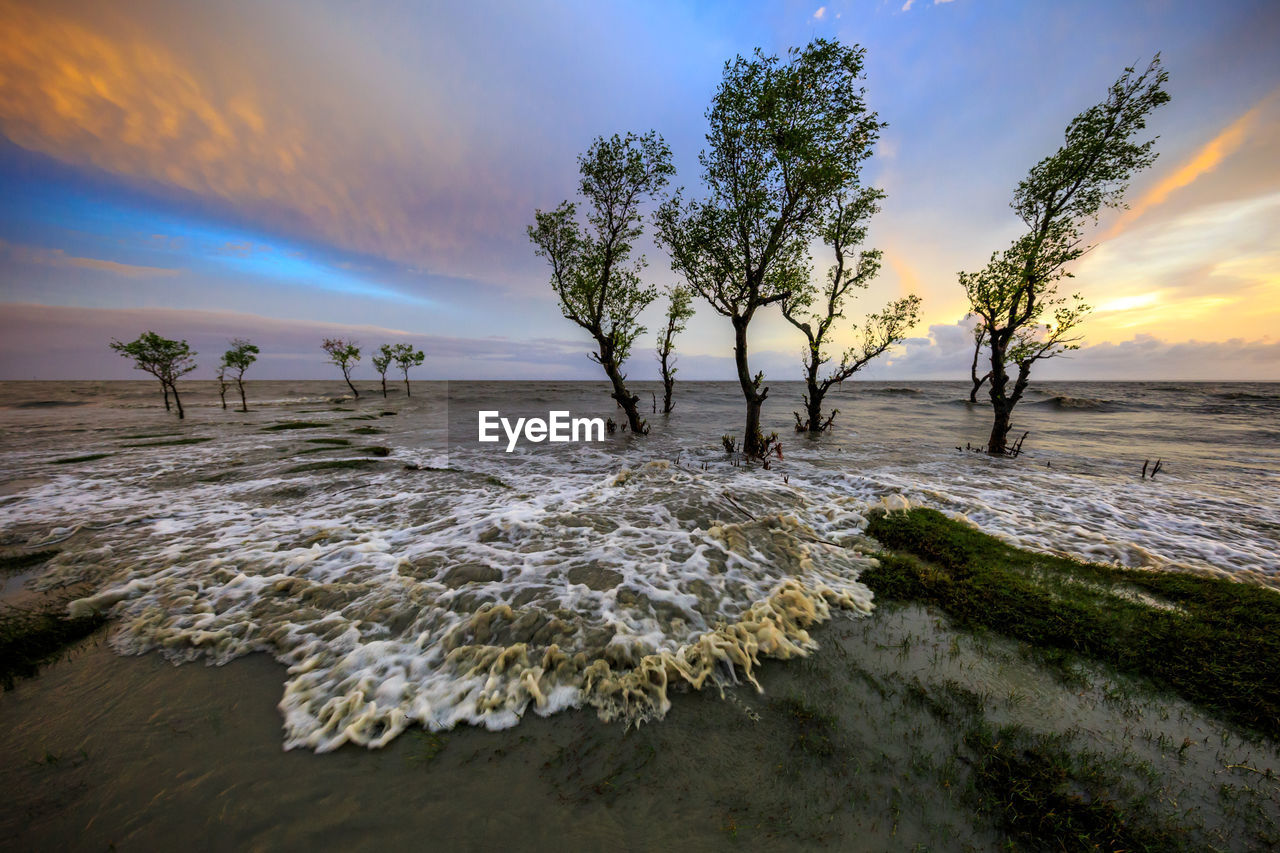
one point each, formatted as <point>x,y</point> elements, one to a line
<point>40,209</point>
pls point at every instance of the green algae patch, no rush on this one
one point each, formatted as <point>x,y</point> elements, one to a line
<point>294,425</point>
<point>1046,794</point>
<point>332,464</point>
<point>32,637</point>
<point>175,443</point>
<point>340,441</point>
<point>366,431</point>
<point>1210,640</point>
<point>73,459</point>
<point>12,564</point>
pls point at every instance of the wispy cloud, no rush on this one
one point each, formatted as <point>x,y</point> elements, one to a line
<point>1204,161</point>
<point>59,258</point>
<point>820,14</point>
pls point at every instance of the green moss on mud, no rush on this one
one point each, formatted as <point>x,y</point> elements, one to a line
<point>1212,641</point>
<point>333,464</point>
<point>73,459</point>
<point>31,637</point>
<point>174,443</point>
<point>12,564</point>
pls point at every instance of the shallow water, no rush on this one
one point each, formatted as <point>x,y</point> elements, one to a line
<point>447,582</point>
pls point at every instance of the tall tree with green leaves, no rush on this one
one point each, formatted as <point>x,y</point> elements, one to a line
<point>382,363</point>
<point>165,359</point>
<point>592,271</point>
<point>1016,295</point>
<point>406,357</point>
<point>786,136</point>
<point>679,310</point>
<point>236,361</point>
<point>344,355</point>
<point>814,310</point>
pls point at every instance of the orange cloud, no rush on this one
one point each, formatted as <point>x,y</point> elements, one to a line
<point>138,108</point>
<point>1204,161</point>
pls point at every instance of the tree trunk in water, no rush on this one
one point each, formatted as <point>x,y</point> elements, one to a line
<point>625,398</point>
<point>1001,408</point>
<point>347,377</point>
<point>997,442</point>
<point>752,441</point>
<point>244,404</point>
<point>814,406</point>
<point>406,385</point>
<point>178,402</point>
<point>384,386</point>
<point>668,382</point>
<point>813,399</point>
<point>222,392</point>
<point>165,388</point>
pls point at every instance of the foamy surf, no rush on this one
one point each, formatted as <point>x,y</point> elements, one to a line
<point>433,586</point>
<point>604,591</point>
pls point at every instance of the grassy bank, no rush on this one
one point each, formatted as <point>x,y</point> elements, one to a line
<point>32,637</point>
<point>1213,642</point>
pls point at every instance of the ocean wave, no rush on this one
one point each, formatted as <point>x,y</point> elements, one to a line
<point>600,591</point>
<point>1063,401</point>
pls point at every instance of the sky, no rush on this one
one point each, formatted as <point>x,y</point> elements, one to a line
<point>290,171</point>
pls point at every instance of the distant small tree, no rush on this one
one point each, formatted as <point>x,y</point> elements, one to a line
<point>344,355</point>
<point>382,362</point>
<point>814,310</point>
<point>785,137</point>
<point>164,359</point>
<point>1015,295</point>
<point>406,357</point>
<point>979,338</point>
<point>591,268</point>
<point>237,359</point>
<point>679,310</point>
<point>223,385</point>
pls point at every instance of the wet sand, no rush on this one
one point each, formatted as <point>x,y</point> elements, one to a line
<point>855,748</point>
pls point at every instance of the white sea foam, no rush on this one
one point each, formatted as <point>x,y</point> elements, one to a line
<point>434,588</point>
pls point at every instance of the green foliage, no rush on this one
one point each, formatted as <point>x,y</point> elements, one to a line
<point>344,355</point>
<point>785,138</point>
<point>592,271</point>
<point>1214,641</point>
<point>241,354</point>
<point>814,310</point>
<point>679,311</point>
<point>1016,295</point>
<point>382,360</point>
<point>165,359</point>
